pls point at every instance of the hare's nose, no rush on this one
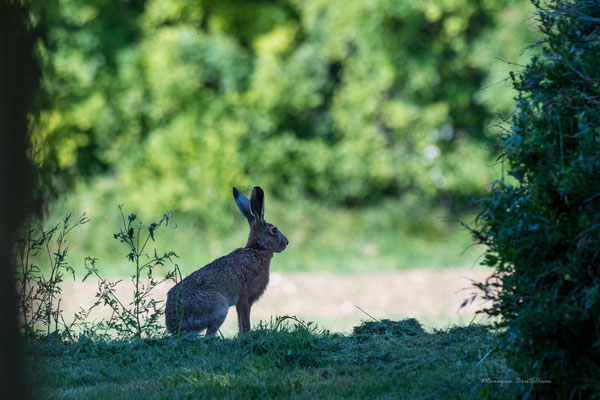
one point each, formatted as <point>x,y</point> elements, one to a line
<point>287,242</point>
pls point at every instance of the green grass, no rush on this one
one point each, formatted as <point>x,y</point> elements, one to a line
<point>282,359</point>
<point>387,236</point>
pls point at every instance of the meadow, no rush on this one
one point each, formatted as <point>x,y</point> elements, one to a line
<point>342,344</point>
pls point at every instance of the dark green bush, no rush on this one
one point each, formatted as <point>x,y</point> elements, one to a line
<point>543,231</point>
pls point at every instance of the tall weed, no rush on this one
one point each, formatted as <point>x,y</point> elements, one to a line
<point>38,289</point>
<point>140,317</point>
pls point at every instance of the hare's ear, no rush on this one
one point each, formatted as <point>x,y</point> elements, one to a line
<point>257,203</point>
<point>243,204</point>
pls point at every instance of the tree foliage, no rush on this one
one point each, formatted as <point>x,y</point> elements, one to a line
<point>345,102</point>
<point>543,232</point>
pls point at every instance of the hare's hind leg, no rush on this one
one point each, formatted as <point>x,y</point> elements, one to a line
<point>217,312</point>
<point>204,310</point>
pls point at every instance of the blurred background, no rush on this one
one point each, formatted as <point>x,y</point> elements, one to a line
<point>368,123</point>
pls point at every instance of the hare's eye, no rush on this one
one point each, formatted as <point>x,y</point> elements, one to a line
<point>274,231</point>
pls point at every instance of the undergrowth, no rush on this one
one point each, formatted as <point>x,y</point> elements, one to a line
<point>39,288</point>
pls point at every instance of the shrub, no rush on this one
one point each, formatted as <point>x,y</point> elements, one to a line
<point>543,231</point>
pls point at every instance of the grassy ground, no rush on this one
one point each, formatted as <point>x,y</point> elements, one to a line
<point>395,360</point>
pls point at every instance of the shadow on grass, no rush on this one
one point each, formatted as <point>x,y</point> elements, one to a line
<point>282,358</point>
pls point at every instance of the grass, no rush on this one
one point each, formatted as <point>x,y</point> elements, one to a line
<point>281,359</point>
<point>284,358</point>
<point>388,236</point>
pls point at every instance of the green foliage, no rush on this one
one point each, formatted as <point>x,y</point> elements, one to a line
<point>38,289</point>
<point>542,232</point>
<point>142,316</point>
<point>39,286</point>
<point>169,103</point>
<point>281,359</point>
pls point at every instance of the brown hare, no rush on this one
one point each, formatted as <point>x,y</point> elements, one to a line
<point>202,299</point>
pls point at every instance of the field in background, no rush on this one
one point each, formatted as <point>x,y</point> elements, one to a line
<point>394,235</point>
<point>433,296</point>
<point>393,261</point>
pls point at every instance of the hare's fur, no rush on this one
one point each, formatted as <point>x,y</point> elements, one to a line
<point>201,300</point>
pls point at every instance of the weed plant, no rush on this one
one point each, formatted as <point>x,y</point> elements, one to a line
<point>141,317</point>
<point>38,289</point>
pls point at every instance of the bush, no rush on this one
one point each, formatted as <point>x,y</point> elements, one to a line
<point>543,232</point>
<point>142,316</point>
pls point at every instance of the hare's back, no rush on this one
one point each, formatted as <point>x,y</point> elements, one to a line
<point>212,274</point>
<point>230,275</point>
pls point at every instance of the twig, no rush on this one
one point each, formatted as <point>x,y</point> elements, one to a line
<point>484,357</point>
<point>369,315</point>
<point>474,316</point>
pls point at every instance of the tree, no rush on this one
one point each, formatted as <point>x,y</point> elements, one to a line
<point>19,75</point>
<point>345,103</point>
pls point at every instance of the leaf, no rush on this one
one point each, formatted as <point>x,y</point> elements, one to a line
<point>86,275</point>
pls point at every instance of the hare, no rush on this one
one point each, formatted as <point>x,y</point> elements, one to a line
<point>202,300</point>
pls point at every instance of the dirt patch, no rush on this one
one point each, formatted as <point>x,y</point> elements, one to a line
<point>432,296</point>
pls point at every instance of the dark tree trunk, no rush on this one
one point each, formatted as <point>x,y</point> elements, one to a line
<point>19,80</point>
